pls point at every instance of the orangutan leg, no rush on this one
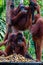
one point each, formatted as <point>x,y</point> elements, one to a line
<point>3,53</point>
<point>37,45</point>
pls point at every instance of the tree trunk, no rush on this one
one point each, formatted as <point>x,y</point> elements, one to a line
<point>8,3</point>
<point>8,16</point>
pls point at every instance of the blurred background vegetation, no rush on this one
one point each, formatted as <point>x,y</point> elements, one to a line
<point>26,33</point>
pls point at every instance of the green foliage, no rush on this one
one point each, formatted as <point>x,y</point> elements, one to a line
<point>2,48</point>
<point>2,5</point>
<point>40,2</point>
<point>26,2</point>
<point>17,2</point>
<point>1,10</point>
<point>26,34</point>
<point>2,28</point>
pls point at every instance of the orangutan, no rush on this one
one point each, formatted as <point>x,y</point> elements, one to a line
<point>16,44</point>
<point>37,34</point>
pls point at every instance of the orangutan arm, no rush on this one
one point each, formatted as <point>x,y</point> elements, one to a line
<point>38,13</point>
<point>3,43</point>
<point>38,10</point>
<point>15,18</point>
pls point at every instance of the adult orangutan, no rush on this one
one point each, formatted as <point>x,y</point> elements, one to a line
<point>16,44</point>
<point>37,34</point>
<point>23,19</point>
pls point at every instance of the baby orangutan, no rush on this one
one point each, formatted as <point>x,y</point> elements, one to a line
<point>16,44</point>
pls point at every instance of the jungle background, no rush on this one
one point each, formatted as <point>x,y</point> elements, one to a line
<point>26,33</point>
